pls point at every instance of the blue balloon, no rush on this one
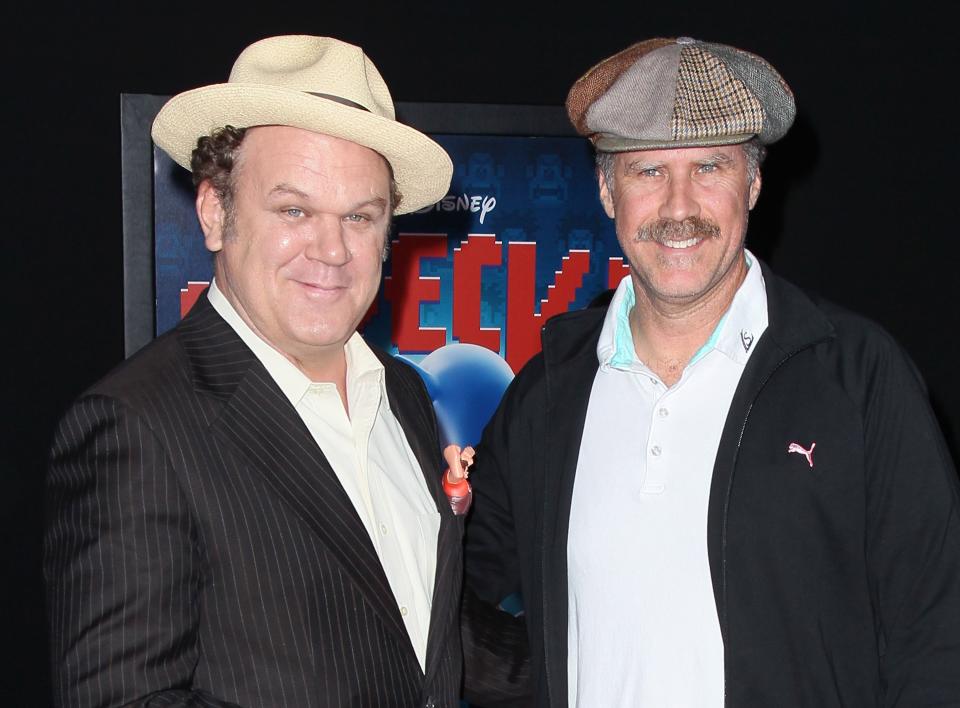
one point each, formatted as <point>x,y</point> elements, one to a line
<point>466,383</point>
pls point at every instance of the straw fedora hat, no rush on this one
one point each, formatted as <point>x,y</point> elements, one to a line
<point>315,83</point>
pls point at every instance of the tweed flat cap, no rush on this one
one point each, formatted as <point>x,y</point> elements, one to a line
<point>664,93</point>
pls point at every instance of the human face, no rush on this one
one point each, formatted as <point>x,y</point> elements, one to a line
<point>681,218</point>
<point>300,257</point>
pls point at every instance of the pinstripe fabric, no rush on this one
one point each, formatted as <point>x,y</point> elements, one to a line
<point>200,550</point>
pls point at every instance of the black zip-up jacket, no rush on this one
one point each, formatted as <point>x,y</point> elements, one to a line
<point>836,585</point>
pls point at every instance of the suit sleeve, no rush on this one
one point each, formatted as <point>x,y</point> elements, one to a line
<point>913,538</point>
<point>122,563</point>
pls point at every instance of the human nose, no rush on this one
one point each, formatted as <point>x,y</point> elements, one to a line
<point>326,243</point>
<point>680,202</point>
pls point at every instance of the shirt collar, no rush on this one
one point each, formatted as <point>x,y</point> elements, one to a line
<point>746,319</point>
<point>735,334</point>
<point>363,366</point>
<point>615,348</point>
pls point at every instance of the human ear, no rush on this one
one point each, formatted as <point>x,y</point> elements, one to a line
<point>211,215</point>
<point>606,196</point>
<point>755,189</point>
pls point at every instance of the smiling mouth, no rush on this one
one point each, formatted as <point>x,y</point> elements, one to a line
<point>329,288</point>
<point>680,245</point>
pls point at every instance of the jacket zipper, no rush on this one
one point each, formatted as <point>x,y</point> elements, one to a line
<point>726,500</point>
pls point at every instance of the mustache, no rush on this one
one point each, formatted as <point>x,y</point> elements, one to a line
<point>669,230</point>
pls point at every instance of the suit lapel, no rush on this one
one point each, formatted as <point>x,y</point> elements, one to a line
<point>259,421</point>
<point>409,405</point>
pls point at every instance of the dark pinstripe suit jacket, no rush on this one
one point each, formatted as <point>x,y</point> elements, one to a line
<point>200,550</point>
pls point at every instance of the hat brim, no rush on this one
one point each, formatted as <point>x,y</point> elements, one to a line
<point>606,143</point>
<point>422,169</point>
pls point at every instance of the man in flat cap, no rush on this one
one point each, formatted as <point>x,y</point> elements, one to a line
<point>249,511</point>
<point>719,491</point>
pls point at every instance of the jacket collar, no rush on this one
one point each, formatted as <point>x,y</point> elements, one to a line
<point>795,321</point>
<point>218,358</point>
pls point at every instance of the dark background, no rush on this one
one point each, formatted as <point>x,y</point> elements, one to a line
<point>858,199</point>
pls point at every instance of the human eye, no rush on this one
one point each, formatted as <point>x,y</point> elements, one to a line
<point>365,215</point>
<point>293,212</point>
<point>715,164</point>
<point>640,169</point>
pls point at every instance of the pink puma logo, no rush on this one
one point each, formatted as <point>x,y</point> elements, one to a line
<point>799,449</point>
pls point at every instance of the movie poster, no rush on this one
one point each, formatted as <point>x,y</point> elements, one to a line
<point>519,237</point>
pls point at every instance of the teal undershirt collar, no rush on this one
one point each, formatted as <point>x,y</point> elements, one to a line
<point>624,354</point>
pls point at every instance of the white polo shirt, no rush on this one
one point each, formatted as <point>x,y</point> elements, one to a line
<point>373,461</point>
<point>643,627</point>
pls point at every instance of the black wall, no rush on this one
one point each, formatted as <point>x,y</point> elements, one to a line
<point>858,201</point>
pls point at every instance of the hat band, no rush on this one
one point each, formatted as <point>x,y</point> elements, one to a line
<point>339,99</point>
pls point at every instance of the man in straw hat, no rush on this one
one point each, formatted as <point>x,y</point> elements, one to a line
<point>249,511</point>
<point>746,499</point>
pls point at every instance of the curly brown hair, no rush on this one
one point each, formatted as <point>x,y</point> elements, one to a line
<point>216,155</point>
<point>214,158</point>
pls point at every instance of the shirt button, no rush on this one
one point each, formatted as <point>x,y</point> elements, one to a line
<point>383,529</point>
<point>655,451</point>
<point>403,610</point>
<point>663,412</point>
